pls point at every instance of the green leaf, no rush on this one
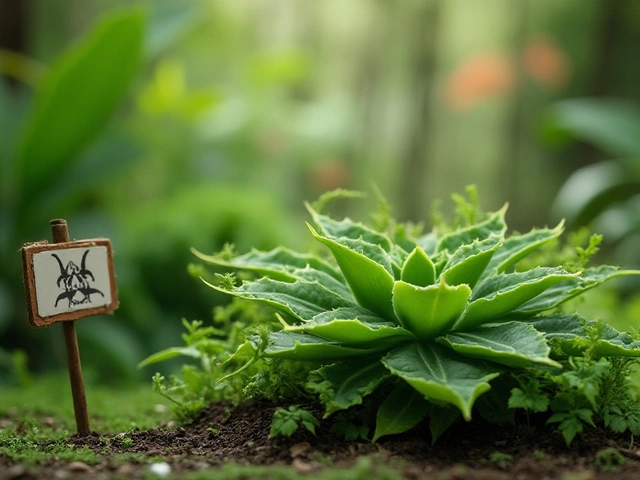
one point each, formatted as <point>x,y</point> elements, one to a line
<point>517,247</point>
<point>77,97</point>
<point>494,225</point>
<point>303,346</point>
<point>440,374</point>
<point>429,311</point>
<point>348,229</point>
<point>595,188</point>
<point>571,423</point>
<point>278,263</point>
<point>468,262</point>
<point>529,397</point>
<point>402,410</point>
<point>354,326</point>
<point>370,281</point>
<point>566,329</point>
<point>440,419</point>
<point>169,353</point>
<point>514,344</point>
<point>499,295</point>
<point>344,384</point>
<point>338,287</point>
<point>610,124</point>
<point>587,376</point>
<point>248,349</point>
<point>428,242</point>
<point>302,299</point>
<point>563,291</point>
<point>418,269</point>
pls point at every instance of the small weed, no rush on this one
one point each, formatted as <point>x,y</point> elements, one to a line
<point>213,430</point>
<point>539,455</point>
<point>127,442</point>
<point>500,459</point>
<point>285,422</point>
<point>321,458</point>
<point>609,460</point>
<point>351,426</point>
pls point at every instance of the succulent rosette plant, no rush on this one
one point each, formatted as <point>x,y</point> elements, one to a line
<point>434,319</point>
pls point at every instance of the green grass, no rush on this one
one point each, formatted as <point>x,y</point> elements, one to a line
<point>47,406</point>
<point>36,420</point>
<point>365,468</point>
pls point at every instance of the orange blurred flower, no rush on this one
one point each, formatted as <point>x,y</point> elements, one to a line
<point>483,76</point>
<point>546,62</point>
<point>330,174</point>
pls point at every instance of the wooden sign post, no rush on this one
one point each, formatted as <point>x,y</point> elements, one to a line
<point>66,281</point>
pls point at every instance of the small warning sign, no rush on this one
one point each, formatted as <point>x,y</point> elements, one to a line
<point>68,281</point>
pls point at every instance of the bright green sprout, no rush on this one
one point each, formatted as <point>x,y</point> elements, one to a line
<point>434,319</point>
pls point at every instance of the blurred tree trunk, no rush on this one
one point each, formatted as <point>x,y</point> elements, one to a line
<point>13,26</point>
<point>515,127</point>
<point>367,87</point>
<point>423,30</point>
<point>610,26</point>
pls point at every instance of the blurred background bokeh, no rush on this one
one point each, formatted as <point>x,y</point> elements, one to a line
<point>174,124</point>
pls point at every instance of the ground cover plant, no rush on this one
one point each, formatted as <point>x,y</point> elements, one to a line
<point>458,322</point>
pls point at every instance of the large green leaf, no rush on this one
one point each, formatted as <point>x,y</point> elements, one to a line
<point>418,269</point>
<point>517,247</point>
<point>303,346</point>
<point>338,287</point>
<point>468,262</point>
<point>349,229</point>
<point>77,97</point>
<point>501,294</point>
<point>353,326</point>
<point>593,189</point>
<point>370,281</point>
<point>277,263</point>
<point>570,332</point>
<point>402,410</point>
<point>440,374</point>
<point>611,124</point>
<point>568,289</point>
<point>429,311</point>
<point>511,343</point>
<point>302,299</point>
<point>344,384</point>
<point>494,225</point>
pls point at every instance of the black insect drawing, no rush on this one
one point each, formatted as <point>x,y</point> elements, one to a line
<point>75,281</point>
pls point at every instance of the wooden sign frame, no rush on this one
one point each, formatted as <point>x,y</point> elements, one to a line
<point>37,319</point>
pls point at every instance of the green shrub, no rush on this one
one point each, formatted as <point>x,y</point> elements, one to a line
<point>426,322</point>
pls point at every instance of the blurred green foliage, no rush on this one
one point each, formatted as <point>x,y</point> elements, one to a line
<point>132,181</point>
<point>193,124</point>
<point>51,155</point>
<point>604,195</point>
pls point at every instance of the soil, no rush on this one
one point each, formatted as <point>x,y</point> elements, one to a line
<point>466,451</point>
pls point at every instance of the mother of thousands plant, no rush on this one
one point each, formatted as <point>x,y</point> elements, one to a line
<point>428,322</point>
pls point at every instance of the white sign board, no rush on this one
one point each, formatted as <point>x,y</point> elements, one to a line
<point>68,281</point>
